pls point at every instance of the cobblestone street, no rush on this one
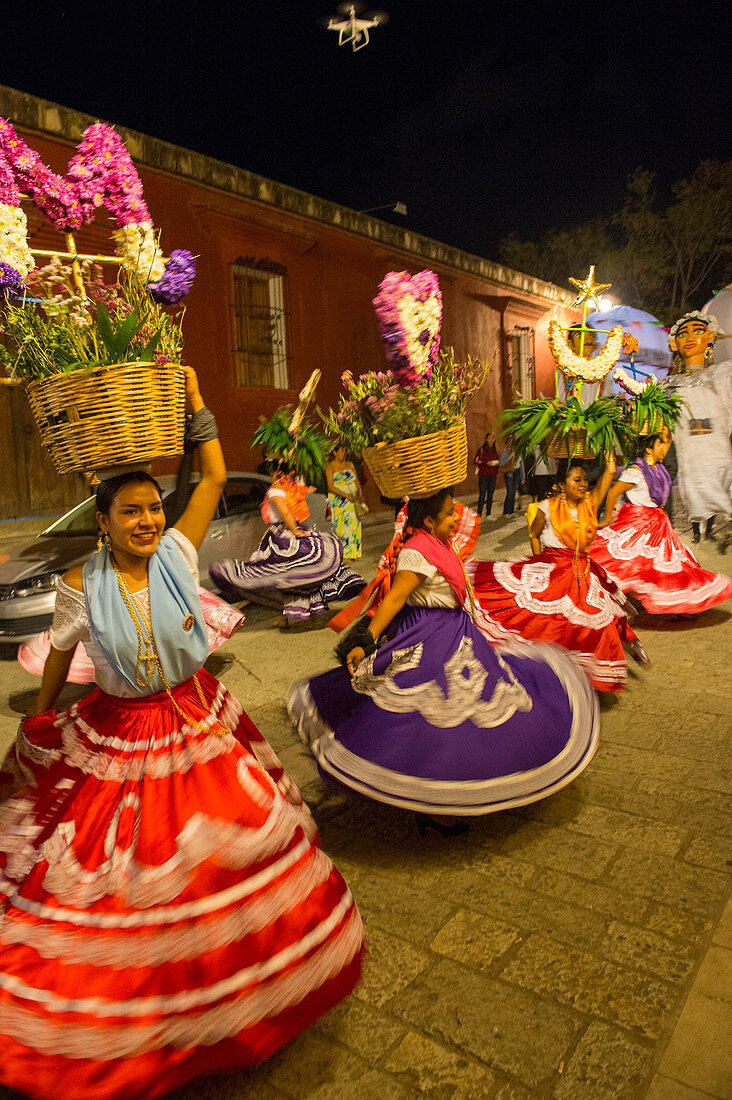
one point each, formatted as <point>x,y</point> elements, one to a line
<point>575,949</point>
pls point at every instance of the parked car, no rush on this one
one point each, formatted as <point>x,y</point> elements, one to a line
<point>28,578</point>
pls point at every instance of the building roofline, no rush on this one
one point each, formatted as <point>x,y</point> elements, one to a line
<point>30,112</point>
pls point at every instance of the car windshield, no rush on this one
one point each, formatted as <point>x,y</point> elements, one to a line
<point>81,520</point>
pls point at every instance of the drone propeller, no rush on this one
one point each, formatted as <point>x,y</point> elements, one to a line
<point>358,9</point>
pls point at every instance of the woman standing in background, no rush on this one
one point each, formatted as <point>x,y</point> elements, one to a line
<point>486,464</point>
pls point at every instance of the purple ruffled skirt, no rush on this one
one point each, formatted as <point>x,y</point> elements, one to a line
<point>438,721</point>
<point>301,575</point>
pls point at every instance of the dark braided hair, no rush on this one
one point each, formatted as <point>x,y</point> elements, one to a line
<point>418,510</point>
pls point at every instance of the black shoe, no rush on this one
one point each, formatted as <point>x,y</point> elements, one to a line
<point>425,822</point>
<point>709,530</point>
<point>639,654</point>
<point>696,537</point>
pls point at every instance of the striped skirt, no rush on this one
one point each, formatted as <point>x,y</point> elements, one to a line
<point>302,575</point>
<point>166,910</point>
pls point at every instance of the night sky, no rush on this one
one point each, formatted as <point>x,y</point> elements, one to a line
<point>484,118</point>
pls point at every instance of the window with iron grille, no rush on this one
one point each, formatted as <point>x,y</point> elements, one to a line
<point>260,313</point>
<point>523,361</point>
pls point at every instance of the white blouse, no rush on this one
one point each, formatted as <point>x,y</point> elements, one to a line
<point>639,494</point>
<point>71,622</point>
<point>270,513</point>
<point>434,591</point>
<point>548,538</point>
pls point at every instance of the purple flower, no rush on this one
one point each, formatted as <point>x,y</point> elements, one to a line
<point>177,280</point>
<point>10,279</point>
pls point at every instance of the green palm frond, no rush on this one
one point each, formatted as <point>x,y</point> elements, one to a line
<point>306,453</point>
<point>530,424</point>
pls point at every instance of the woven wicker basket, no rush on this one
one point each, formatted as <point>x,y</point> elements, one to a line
<point>420,466</point>
<point>572,445</point>
<point>645,427</point>
<point>109,416</point>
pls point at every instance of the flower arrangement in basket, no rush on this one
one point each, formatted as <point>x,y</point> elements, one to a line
<point>99,361</point>
<point>408,422</point>
<point>564,429</point>
<point>649,405</point>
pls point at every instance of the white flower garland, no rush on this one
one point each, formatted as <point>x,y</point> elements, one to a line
<point>632,385</point>
<point>576,366</point>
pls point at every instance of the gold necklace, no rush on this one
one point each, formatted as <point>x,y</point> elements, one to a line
<point>147,655</point>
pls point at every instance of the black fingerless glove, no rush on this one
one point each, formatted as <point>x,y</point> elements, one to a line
<point>360,635</point>
<point>200,428</point>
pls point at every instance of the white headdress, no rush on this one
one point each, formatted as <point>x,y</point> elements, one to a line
<point>695,315</point>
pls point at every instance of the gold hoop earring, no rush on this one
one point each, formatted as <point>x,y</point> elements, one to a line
<point>562,496</point>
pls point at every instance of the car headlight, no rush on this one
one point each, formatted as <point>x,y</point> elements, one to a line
<point>31,586</point>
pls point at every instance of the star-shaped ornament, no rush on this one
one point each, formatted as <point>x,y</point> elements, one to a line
<point>588,289</point>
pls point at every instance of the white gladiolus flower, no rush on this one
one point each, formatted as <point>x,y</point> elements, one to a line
<point>14,248</point>
<point>138,251</point>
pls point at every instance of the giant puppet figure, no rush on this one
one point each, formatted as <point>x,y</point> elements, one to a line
<point>702,434</point>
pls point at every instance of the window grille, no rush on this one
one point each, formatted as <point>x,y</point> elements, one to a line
<point>523,366</point>
<point>260,316</point>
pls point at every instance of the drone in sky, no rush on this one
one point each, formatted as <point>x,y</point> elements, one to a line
<point>353,29</point>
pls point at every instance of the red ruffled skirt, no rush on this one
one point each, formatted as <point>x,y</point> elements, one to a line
<point>643,553</point>
<point>166,910</point>
<point>560,598</point>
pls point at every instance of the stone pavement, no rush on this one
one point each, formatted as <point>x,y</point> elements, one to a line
<point>573,949</point>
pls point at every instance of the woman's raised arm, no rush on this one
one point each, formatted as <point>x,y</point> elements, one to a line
<point>599,492</point>
<point>535,532</point>
<point>616,490</point>
<point>199,512</point>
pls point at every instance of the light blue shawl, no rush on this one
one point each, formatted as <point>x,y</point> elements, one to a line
<point>174,600</point>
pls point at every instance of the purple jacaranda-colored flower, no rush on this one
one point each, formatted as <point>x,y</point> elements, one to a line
<point>10,279</point>
<point>177,280</point>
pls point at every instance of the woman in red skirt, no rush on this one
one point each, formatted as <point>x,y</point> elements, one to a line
<point>166,910</point>
<point>560,595</point>
<point>641,550</point>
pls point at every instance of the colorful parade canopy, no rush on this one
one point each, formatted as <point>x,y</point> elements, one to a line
<point>720,306</point>
<point>652,359</point>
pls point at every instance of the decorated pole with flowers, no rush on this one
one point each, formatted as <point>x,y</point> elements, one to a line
<point>408,422</point>
<point>409,312</point>
<point>99,361</point>
<point>564,429</point>
<point>101,173</point>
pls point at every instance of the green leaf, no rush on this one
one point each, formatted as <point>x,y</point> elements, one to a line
<point>126,333</point>
<point>105,331</point>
